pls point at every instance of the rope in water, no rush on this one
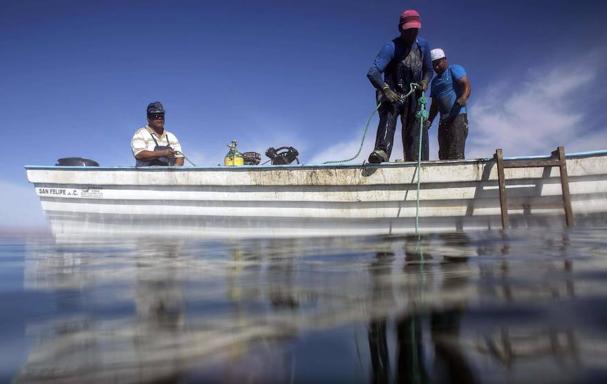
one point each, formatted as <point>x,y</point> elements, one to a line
<point>412,88</point>
<point>422,115</point>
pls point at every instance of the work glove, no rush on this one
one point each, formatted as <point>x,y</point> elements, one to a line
<point>390,94</point>
<point>454,111</point>
<point>424,85</point>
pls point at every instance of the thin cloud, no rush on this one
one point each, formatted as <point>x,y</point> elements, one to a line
<point>538,114</point>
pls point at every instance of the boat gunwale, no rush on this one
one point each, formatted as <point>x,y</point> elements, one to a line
<point>289,167</point>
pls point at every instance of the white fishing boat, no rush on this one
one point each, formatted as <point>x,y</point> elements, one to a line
<point>316,200</point>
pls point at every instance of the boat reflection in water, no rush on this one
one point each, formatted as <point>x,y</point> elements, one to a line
<point>481,307</point>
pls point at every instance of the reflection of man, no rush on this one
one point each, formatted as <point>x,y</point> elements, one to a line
<point>152,144</point>
<point>450,91</point>
<point>159,295</point>
<point>402,61</point>
<point>381,291</point>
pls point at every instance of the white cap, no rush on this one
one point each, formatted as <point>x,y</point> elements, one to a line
<point>437,53</point>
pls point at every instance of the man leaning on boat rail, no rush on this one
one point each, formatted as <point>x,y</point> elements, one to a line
<point>154,145</point>
<point>450,90</point>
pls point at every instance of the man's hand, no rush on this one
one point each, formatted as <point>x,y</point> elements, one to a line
<point>168,152</point>
<point>461,101</point>
<point>424,85</point>
<point>427,124</point>
<point>390,94</point>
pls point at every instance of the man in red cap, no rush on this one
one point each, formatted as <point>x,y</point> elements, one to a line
<point>402,61</point>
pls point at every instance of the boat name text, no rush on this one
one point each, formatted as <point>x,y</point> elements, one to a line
<point>86,193</point>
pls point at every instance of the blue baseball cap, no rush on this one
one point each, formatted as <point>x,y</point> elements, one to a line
<point>155,107</point>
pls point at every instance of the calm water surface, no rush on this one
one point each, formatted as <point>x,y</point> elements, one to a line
<point>520,307</point>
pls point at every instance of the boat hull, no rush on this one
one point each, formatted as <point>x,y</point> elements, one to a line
<point>290,201</point>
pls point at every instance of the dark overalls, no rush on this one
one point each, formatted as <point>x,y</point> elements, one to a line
<point>161,161</point>
<point>405,68</point>
<point>453,130</point>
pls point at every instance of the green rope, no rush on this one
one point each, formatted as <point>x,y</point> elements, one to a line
<point>361,142</point>
<point>422,115</point>
<point>412,89</point>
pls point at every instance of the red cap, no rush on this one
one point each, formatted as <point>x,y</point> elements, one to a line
<point>410,19</point>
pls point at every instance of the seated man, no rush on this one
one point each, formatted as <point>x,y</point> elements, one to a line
<point>152,144</point>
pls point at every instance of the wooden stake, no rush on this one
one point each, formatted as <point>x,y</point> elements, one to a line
<point>499,157</point>
<point>569,219</point>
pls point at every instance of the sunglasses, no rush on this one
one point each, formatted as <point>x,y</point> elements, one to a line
<point>156,116</point>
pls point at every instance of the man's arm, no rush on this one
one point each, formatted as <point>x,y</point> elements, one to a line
<point>427,70</point>
<point>151,155</point>
<point>464,83</point>
<point>176,145</point>
<point>383,58</point>
<point>461,78</point>
<point>433,112</point>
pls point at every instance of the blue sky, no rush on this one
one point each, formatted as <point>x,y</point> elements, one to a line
<point>76,77</point>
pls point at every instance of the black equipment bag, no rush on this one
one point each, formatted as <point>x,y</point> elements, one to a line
<point>282,155</point>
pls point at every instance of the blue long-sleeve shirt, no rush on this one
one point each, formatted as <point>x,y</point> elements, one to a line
<point>388,57</point>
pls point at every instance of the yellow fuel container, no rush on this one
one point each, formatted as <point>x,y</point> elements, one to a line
<point>233,157</point>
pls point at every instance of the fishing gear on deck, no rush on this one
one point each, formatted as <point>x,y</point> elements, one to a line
<point>251,158</point>
<point>282,155</point>
<point>236,158</point>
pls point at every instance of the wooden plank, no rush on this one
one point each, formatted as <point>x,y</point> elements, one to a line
<point>531,163</point>
<point>569,219</point>
<point>499,157</point>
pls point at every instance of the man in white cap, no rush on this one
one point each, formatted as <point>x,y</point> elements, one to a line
<point>449,90</point>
